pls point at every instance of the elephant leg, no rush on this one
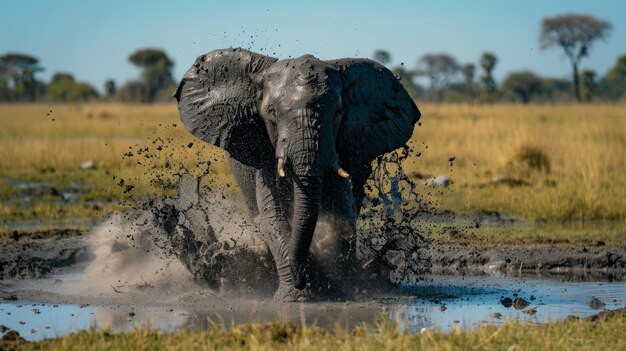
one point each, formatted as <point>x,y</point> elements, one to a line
<point>246,179</point>
<point>271,196</point>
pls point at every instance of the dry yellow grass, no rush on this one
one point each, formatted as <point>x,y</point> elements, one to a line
<point>585,146</point>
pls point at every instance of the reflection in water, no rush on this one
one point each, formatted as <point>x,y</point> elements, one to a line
<point>468,301</point>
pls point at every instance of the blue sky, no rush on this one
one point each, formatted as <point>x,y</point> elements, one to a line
<point>92,39</point>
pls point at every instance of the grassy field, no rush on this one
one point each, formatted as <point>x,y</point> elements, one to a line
<point>562,164</point>
<point>606,334</point>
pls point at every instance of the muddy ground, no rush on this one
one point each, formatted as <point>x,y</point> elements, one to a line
<point>38,256</point>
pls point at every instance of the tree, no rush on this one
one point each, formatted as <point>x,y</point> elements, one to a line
<point>382,56</point>
<point>60,86</point>
<point>618,71</point>
<point>406,79</point>
<point>612,87</point>
<point>5,92</point>
<point>134,91</point>
<point>574,34</point>
<point>110,88</point>
<point>156,70</point>
<point>525,85</point>
<point>64,88</point>
<point>440,69</point>
<point>469,71</point>
<point>588,84</point>
<point>18,71</point>
<point>488,62</point>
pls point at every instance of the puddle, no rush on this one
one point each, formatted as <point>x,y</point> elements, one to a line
<point>469,302</point>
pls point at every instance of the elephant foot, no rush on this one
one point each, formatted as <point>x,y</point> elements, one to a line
<point>289,293</point>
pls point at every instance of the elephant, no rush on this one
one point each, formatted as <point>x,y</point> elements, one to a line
<point>300,135</point>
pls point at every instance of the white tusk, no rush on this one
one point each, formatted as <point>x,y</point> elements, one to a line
<point>280,167</point>
<point>342,173</point>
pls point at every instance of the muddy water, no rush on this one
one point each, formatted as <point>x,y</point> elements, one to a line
<point>47,308</point>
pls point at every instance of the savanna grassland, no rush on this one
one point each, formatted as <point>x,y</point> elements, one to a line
<point>561,169</point>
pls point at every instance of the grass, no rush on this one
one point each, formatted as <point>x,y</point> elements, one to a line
<point>603,334</point>
<point>572,156</point>
<point>554,163</point>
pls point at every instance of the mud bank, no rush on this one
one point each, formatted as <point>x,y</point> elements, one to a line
<point>42,254</point>
<point>40,257</point>
<point>570,262</point>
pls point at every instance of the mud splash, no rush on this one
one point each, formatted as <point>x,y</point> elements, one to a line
<point>205,238</point>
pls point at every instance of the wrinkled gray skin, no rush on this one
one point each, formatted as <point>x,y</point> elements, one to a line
<point>301,134</point>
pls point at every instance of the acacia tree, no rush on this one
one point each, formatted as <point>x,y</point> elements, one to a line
<point>440,69</point>
<point>488,62</point>
<point>382,56</point>
<point>574,34</point>
<point>18,71</point>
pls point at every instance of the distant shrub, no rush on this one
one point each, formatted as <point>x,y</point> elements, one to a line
<point>528,158</point>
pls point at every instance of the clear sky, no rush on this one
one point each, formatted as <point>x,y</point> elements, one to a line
<point>92,39</point>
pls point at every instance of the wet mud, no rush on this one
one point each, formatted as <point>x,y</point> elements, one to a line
<point>44,255</point>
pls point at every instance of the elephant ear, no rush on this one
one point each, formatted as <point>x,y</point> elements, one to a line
<point>379,115</point>
<point>217,102</point>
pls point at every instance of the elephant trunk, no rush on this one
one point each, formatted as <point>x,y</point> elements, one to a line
<point>307,198</point>
<point>307,159</point>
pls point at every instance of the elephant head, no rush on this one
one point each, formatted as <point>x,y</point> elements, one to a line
<point>303,118</point>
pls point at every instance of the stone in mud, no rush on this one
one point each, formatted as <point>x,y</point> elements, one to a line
<point>519,303</point>
<point>506,302</point>
<point>88,165</point>
<point>596,304</point>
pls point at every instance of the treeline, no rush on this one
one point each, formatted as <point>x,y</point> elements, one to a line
<point>18,81</point>
<point>437,77</point>
<point>450,81</point>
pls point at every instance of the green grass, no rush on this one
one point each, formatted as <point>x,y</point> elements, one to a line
<point>604,334</point>
<point>571,158</point>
